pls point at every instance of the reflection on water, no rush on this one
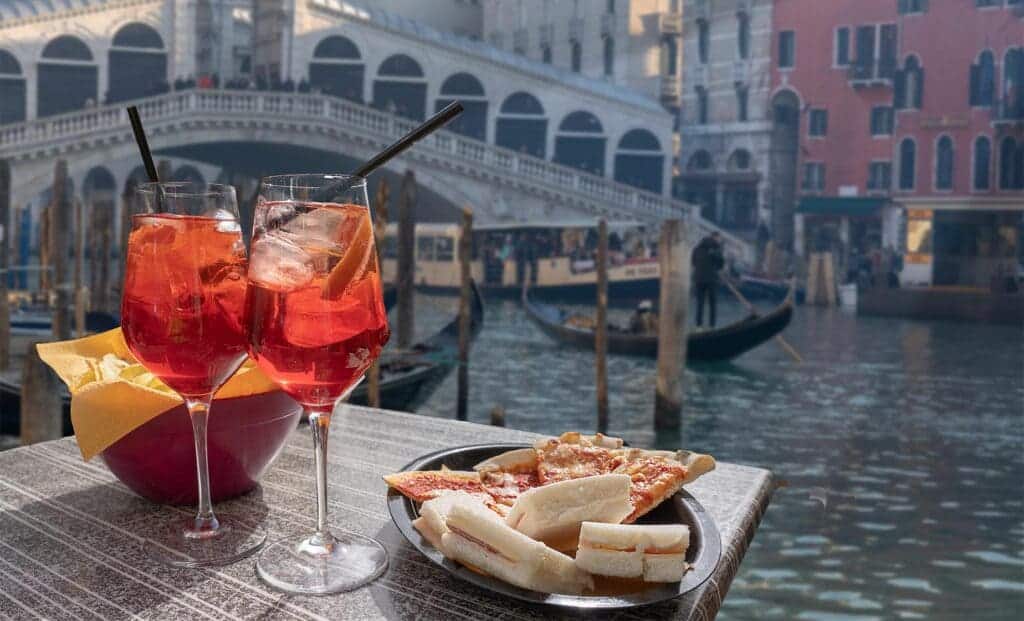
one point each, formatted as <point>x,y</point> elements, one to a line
<point>901,442</point>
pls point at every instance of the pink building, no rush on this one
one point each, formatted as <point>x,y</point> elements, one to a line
<point>901,123</point>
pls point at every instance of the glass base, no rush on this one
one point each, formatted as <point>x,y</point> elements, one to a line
<point>313,566</point>
<point>181,544</point>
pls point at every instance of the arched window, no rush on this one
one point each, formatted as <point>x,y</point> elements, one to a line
<point>467,89</point>
<point>703,40</point>
<point>982,163</point>
<point>639,161</point>
<point>1011,164</point>
<point>908,163</point>
<point>983,80</point>
<point>909,88</point>
<point>545,53</point>
<point>944,163</point>
<point>400,87</point>
<point>739,161</point>
<point>67,77</point>
<point>575,55</point>
<point>1012,95</point>
<point>580,142</point>
<point>609,56</point>
<point>337,69</point>
<point>522,126</point>
<point>12,89</point>
<point>700,161</point>
<point>702,105</point>
<point>99,178</point>
<point>137,62</point>
<point>743,35</point>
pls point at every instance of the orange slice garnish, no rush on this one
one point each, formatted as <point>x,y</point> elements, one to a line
<point>354,260</point>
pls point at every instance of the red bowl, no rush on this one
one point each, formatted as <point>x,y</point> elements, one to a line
<point>245,434</point>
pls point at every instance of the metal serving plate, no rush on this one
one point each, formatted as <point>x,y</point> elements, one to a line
<point>703,553</point>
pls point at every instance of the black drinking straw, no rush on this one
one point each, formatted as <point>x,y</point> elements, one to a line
<point>431,125</point>
<point>140,139</point>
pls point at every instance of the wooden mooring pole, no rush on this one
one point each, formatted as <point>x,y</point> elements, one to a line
<point>405,279</point>
<point>465,250</point>
<point>380,226</point>
<point>674,263</point>
<point>41,403</point>
<point>60,241</point>
<point>6,231</point>
<point>81,297</point>
<point>601,329</point>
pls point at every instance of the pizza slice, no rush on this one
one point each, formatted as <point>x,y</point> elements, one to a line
<point>574,456</point>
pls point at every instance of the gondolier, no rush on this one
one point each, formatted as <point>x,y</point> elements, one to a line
<point>707,260</point>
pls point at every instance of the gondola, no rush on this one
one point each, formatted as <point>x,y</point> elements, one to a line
<point>714,345</point>
<point>760,288</point>
<point>409,378</point>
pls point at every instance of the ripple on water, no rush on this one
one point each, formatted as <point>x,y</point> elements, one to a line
<point>997,558</point>
<point>849,599</point>
<point>916,584</point>
<point>995,584</point>
<point>821,615</point>
<point>875,526</point>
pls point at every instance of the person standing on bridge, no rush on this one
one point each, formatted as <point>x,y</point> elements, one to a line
<point>707,260</point>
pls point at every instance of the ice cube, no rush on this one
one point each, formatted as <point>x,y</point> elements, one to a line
<point>278,263</point>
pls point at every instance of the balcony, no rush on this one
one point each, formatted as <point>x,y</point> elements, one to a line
<point>670,23</point>
<point>671,89</point>
<point>874,73</point>
<point>547,35</point>
<point>1008,113</point>
<point>576,29</point>
<point>608,25</point>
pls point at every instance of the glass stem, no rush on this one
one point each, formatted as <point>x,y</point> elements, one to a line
<point>319,423</point>
<point>205,523</point>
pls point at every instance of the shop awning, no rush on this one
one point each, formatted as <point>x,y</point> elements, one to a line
<point>841,205</point>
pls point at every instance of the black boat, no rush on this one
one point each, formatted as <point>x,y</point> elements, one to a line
<point>714,345</point>
<point>408,378</point>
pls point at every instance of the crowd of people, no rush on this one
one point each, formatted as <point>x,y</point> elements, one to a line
<point>213,81</point>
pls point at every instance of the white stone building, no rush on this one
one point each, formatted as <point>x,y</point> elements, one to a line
<point>725,124</point>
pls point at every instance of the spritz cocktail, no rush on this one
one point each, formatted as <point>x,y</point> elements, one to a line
<point>315,321</point>
<point>181,315</point>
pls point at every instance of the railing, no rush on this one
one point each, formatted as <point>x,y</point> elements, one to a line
<point>875,72</point>
<point>447,146</point>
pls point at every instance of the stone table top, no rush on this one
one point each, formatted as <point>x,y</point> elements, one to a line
<point>70,534</point>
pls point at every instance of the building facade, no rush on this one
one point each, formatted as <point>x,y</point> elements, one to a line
<point>903,123</point>
<point>634,44</point>
<point>725,126</point>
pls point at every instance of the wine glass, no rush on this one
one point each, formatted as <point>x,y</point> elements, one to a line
<point>315,321</point>
<point>181,315</point>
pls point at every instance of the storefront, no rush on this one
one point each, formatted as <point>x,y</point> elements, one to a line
<point>962,243</point>
<point>847,227</point>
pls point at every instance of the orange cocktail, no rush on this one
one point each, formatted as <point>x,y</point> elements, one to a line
<point>182,318</point>
<point>184,298</point>
<point>315,322</point>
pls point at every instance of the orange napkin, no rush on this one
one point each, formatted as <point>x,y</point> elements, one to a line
<point>112,394</point>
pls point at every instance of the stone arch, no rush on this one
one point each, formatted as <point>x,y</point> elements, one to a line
<point>400,87</point>
<point>639,161</point>
<point>700,161</point>
<point>740,160</point>
<point>522,125</point>
<point>12,89</point>
<point>337,68</point>
<point>580,142</point>
<point>466,88</point>
<point>67,77</point>
<point>188,172</point>
<point>137,63</point>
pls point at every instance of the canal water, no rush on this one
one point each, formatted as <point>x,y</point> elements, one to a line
<point>901,445</point>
